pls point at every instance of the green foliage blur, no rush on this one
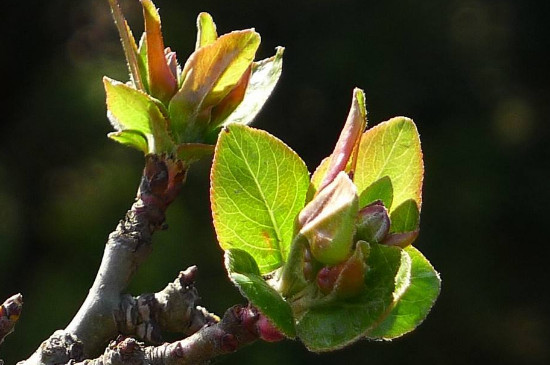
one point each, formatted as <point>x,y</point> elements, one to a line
<point>473,74</point>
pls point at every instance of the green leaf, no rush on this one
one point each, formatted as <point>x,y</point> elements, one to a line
<point>132,109</point>
<point>128,44</point>
<point>262,81</point>
<point>405,217</point>
<point>258,187</point>
<point>331,327</point>
<point>381,189</point>
<point>392,149</point>
<point>131,138</point>
<point>244,273</point>
<point>206,30</point>
<point>415,304</point>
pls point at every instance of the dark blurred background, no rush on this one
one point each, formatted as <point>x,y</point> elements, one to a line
<point>473,75</point>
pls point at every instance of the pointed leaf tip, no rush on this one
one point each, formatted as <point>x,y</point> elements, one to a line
<point>162,82</point>
<point>206,30</point>
<point>343,157</point>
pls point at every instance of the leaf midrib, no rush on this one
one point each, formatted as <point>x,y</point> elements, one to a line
<point>263,198</point>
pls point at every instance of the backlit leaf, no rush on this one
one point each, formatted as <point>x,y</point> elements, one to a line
<point>258,186</point>
<point>392,149</point>
<point>244,273</point>
<point>415,304</point>
<point>210,74</point>
<point>131,109</point>
<point>162,83</point>
<point>263,78</point>
<point>206,30</point>
<point>130,138</point>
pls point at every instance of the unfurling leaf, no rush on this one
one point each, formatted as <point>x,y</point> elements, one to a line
<point>209,75</point>
<point>373,223</point>
<point>162,82</point>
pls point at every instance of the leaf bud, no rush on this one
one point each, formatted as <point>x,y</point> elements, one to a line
<point>373,222</point>
<point>328,221</point>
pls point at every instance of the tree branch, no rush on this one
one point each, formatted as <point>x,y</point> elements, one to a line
<point>174,309</point>
<point>236,329</point>
<point>127,247</point>
<point>10,311</point>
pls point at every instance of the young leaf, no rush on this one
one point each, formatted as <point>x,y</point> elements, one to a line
<point>392,149</point>
<point>331,327</point>
<point>415,304</point>
<point>381,189</point>
<point>345,151</point>
<point>132,109</point>
<point>206,30</point>
<point>244,273</point>
<point>128,44</point>
<point>162,82</point>
<point>263,78</point>
<point>258,186</point>
<point>210,74</point>
<point>405,217</point>
<point>131,138</point>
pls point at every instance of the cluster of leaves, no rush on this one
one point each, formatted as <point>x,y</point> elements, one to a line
<point>167,109</point>
<point>327,259</point>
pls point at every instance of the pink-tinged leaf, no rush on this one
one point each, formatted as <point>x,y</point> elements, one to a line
<point>210,74</point>
<point>225,107</point>
<point>162,82</point>
<point>128,44</point>
<point>328,221</point>
<point>344,156</point>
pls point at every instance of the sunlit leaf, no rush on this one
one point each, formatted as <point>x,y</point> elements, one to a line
<point>162,82</point>
<point>415,304</point>
<point>244,273</point>
<point>392,149</point>
<point>343,158</point>
<point>131,109</point>
<point>258,186</point>
<point>128,44</point>
<point>131,138</point>
<point>263,78</point>
<point>206,30</point>
<point>381,189</point>
<point>210,74</point>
